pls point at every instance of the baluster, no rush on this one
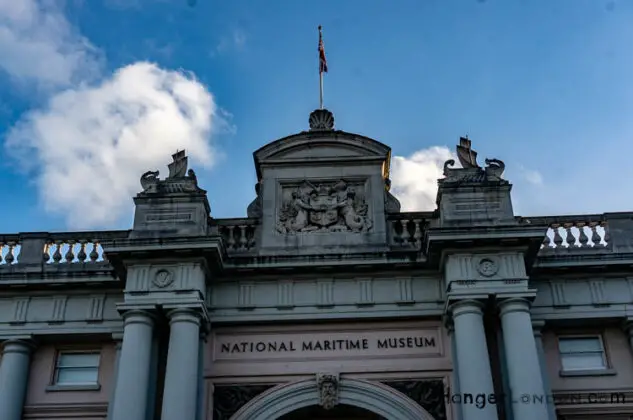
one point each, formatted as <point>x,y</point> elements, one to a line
<point>570,239</point>
<point>595,236</point>
<point>582,236</point>
<point>9,258</point>
<point>405,232</point>
<point>242,236</point>
<point>417,234</point>
<point>46,252</point>
<point>231,241</point>
<point>57,256</point>
<point>250,234</point>
<point>558,240</point>
<point>70,256</point>
<point>81,255</point>
<point>395,236</point>
<point>1,248</point>
<point>94,254</point>
<point>546,240</point>
<point>607,237</point>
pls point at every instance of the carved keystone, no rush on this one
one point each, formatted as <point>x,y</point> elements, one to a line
<point>328,388</point>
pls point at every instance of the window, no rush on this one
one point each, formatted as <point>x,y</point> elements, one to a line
<point>77,368</point>
<point>582,353</point>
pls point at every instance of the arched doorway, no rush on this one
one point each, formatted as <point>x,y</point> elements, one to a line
<point>372,397</point>
<point>340,412</point>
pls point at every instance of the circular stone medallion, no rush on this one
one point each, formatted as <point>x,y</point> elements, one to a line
<point>487,267</point>
<point>163,278</point>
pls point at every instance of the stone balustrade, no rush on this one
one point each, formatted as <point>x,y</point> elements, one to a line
<point>9,249</point>
<point>55,248</point>
<point>580,233</point>
<point>406,230</point>
<point>238,234</point>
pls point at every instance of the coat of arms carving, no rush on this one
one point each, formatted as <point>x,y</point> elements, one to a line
<point>324,208</point>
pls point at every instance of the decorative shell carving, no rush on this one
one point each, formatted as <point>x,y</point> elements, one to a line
<point>321,120</point>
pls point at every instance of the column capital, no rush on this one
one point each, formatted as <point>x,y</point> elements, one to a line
<point>184,315</point>
<point>185,311</point>
<point>24,345</point>
<point>466,306</point>
<point>138,316</point>
<point>514,304</point>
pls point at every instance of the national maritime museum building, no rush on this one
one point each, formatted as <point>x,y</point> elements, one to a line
<point>326,302</point>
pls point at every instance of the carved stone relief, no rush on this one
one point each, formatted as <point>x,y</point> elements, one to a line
<point>487,267</point>
<point>330,207</point>
<point>327,385</point>
<point>163,278</point>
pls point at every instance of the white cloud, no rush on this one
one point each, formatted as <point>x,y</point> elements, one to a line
<point>93,139</point>
<point>94,142</point>
<point>37,44</point>
<point>414,178</point>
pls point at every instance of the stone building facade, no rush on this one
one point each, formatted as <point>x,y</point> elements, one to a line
<point>326,302</point>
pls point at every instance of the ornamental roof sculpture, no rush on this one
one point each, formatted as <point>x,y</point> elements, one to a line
<point>466,155</point>
<point>471,172</point>
<point>179,180</point>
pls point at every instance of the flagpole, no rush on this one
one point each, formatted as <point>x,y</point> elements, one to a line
<point>321,90</point>
<point>320,73</point>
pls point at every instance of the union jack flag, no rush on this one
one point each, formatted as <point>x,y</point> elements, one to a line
<point>322,60</point>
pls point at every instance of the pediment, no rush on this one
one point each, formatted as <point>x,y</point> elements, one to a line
<point>330,145</point>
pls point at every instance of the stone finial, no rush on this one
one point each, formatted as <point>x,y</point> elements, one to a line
<point>328,388</point>
<point>321,120</point>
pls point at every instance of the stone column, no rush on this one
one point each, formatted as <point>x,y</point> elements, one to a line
<point>181,376</point>
<point>118,341</point>
<point>529,401</point>
<point>472,360</point>
<point>132,382</point>
<point>14,377</point>
<point>537,327</point>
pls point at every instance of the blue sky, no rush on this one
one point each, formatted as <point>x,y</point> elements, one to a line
<point>544,85</point>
